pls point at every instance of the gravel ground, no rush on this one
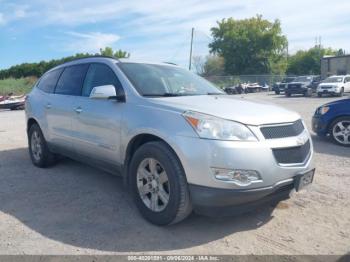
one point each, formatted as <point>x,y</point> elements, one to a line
<point>75,209</point>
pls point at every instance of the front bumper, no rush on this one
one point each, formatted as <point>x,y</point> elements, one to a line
<point>200,156</point>
<point>297,90</point>
<point>224,202</point>
<point>332,91</point>
<point>319,126</point>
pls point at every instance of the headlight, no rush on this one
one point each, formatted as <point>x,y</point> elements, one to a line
<point>323,109</point>
<point>211,127</point>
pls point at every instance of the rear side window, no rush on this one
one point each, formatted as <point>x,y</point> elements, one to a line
<point>71,80</point>
<point>48,82</point>
<point>99,75</point>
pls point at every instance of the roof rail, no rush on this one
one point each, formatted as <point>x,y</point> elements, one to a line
<point>91,56</point>
<point>170,63</point>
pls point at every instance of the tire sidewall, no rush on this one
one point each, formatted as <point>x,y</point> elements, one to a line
<point>151,150</point>
<point>35,128</point>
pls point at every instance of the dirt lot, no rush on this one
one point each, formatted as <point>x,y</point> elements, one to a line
<point>75,209</point>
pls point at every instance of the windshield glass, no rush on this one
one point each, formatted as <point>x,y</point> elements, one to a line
<point>164,80</point>
<point>288,80</point>
<point>337,79</point>
<point>303,79</point>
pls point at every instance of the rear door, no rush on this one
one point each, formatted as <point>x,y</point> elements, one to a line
<point>43,99</point>
<point>61,110</point>
<point>97,122</point>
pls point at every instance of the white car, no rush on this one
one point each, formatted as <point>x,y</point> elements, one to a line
<point>334,85</point>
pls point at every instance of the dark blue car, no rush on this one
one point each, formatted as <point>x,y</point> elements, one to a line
<point>333,119</point>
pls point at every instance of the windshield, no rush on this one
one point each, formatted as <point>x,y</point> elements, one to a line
<point>164,80</point>
<point>337,79</point>
<point>288,80</point>
<point>303,79</point>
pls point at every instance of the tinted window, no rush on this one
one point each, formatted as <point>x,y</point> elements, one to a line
<point>48,82</point>
<point>71,80</point>
<point>99,75</point>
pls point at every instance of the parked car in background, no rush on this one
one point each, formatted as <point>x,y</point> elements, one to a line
<point>334,85</point>
<point>279,87</point>
<point>333,119</point>
<point>303,85</point>
<point>178,141</point>
<point>233,90</point>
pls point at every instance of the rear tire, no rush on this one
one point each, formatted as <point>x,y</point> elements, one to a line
<point>38,149</point>
<point>319,94</point>
<point>147,185</point>
<point>287,94</point>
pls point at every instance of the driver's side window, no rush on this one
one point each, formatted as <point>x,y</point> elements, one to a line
<point>99,75</point>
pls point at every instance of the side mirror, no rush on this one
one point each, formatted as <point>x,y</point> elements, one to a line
<point>106,92</point>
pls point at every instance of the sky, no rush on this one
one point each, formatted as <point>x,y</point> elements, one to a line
<point>155,30</point>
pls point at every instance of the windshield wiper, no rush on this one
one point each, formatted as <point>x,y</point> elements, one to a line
<point>214,94</point>
<point>163,95</point>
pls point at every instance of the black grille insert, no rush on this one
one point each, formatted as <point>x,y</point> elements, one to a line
<point>292,155</point>
<point>282,131</point>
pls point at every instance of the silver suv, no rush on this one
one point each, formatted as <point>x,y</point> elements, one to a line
<point>180,143</point>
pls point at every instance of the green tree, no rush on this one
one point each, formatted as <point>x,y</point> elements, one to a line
<point>250,46</point>
<point>214,66</point>
<point>305,62</point>
<point>108,51</point>
<point>121,54</point>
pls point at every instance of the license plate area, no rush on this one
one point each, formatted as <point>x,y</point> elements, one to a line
<point>304,179</point>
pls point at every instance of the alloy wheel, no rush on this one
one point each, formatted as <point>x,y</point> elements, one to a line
<point>341,132</point>
<point>153,185</point>
<point>36,146</point>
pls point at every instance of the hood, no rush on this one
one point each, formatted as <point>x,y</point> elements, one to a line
<point>339,102</point>
<point>301,83</point>
<point>242,110</point>
<point>330,84</point>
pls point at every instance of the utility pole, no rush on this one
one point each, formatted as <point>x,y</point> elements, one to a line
<point>190,64</point>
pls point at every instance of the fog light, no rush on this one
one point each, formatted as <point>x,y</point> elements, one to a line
<point>237,176</point>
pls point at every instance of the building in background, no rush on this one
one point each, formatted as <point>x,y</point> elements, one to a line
<point>335,65</point>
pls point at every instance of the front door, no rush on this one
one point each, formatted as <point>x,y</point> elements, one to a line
<point>96,126</point>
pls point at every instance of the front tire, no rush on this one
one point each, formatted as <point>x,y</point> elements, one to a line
<point>341,92</point>
<point>340,131</point>
<point>38,149</point>
<point>158,184</point>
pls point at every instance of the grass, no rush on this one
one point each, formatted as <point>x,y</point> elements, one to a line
<point>16,86</point>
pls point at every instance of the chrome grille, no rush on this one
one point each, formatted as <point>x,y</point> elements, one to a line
<point>282,131</point>
<point>292,155</point>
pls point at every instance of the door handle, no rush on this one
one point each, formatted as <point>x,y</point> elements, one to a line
<point>48,105</point>
<point>78,110</point>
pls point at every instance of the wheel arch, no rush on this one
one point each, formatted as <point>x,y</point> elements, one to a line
<point>136,142</point>
<point>31,121</point>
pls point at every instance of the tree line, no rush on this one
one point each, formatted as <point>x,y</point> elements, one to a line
<point>37,69</point>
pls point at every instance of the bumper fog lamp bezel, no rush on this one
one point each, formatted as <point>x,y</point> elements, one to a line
<point>239,177</point>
